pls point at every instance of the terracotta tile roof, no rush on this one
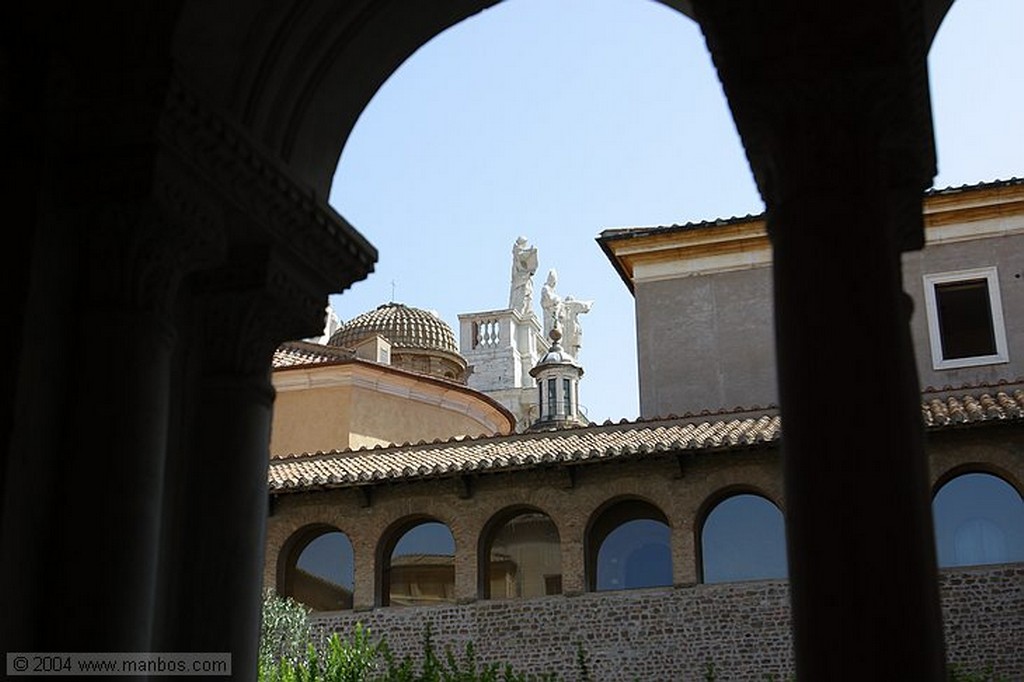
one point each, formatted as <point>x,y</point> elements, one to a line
<point>595,443</point>
<point>973,409</point>
<point>635,232</point>
<point>987,184</point>
<point>584,444</point>
<point>298,353</point>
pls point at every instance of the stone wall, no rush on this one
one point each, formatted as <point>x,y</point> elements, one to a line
<point>743,629</point>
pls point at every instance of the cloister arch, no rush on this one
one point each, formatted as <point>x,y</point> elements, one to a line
<point>179,148</point>
<point>316,567</point>
<point>627,544</point>
<point>979,518</point>
<point>416,562</point>
<point>740,536</point>
<point>519,554</point>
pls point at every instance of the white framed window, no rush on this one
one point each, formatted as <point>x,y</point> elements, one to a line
<point>965,318</point>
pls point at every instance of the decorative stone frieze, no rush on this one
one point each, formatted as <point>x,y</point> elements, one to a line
<point>255,183</point>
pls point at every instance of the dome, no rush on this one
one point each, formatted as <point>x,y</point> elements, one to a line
<point>405,327</point>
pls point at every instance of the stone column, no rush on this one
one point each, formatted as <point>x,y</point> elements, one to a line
<point>218,496</point>
<point>89,554</point>
<point>832,104</point>
<point>285,250</point>
<point>861,560</point>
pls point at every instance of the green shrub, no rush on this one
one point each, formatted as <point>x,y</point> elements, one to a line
<point>284,632</point>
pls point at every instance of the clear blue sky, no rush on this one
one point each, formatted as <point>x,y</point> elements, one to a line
<point>557,119</point>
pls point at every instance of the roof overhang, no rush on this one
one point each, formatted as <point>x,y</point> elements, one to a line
<point>648,254</point>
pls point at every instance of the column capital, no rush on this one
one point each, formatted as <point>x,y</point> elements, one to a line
<point>141,249</point>
<point>251,305</point>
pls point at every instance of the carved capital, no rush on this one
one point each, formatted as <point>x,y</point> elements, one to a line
<point>140,250</point>
<point>250,306</point>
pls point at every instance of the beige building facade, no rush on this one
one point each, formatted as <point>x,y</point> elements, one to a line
<point>352,403</point>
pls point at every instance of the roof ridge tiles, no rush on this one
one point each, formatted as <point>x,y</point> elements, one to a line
<point>595,442</point>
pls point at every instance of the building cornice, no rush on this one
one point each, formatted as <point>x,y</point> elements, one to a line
<point>650,254</point>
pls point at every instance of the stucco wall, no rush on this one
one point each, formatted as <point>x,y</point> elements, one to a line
<point>707,342</point>
<point>363,408</point>
<point>1007,255</point>
<point>311,420</point>
<point>672,634</point>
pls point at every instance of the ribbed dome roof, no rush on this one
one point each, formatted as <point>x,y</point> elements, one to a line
<point>403,326</point>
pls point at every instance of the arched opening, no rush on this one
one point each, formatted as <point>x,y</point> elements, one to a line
<point>417,564</point>
<point>521,556</point>
<point>979,519</point>
<point>318,569</point>
<point>743,537</point>
<point>628,545</point>
<point>550,121</point>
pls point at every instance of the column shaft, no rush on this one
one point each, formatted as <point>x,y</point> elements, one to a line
<point>861,549</point>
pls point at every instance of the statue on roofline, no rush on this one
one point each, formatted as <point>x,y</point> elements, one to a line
<point>524,265</point>
<point>551,303</point>
<point>573,330</point>
<point>566,312</point>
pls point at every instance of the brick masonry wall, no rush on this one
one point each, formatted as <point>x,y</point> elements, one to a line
<point>656,634</point>
<point>672,634</point>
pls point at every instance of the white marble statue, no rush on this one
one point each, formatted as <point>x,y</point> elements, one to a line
<point>524,264</point>
<point>566,311</point>
<point>551,303</point>
<point>572,330</point>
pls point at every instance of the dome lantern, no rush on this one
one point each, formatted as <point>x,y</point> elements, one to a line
<point>558,377</point>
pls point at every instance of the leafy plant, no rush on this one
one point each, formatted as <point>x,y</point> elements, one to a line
<point>284,632</point>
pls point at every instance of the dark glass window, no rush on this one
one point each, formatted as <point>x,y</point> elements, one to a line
<point>323,575</point>
<point>979,519</point>
<point>552,397</point>
<point>965,319</point>
<point>743,538</point>
<point>525,558</point>
<point>567,395</point>
<point>421,568</point>
<point>629,547</point>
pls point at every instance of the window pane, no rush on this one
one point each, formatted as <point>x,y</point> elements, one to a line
<point>525,558</point>
<point>635,554</point>
<point>422,566</point>
<point>322,578</point>
<point>744,538</point>
<point>965,319</point>
<point>979,519</point>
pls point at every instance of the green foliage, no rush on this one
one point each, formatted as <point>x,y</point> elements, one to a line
<point>288,654</point>
<point>581,663</point>
<point>284,632</point>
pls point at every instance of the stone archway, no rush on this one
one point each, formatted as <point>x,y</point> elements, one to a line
<point>169,170</point>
